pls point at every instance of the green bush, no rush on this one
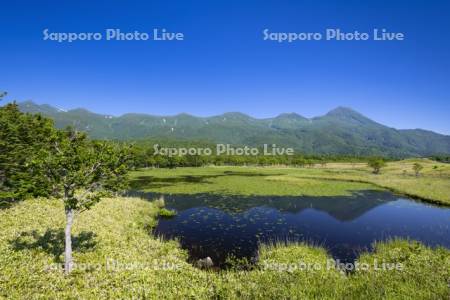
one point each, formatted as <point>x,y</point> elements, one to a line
<point>167,213</point>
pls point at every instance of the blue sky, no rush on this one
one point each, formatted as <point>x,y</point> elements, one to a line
<point>225,65</point>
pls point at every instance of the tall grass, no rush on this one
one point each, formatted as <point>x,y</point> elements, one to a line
<point>118,258</point>
<point>333,179</point>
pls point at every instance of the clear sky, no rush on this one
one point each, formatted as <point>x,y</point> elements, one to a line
<point>224,64</point>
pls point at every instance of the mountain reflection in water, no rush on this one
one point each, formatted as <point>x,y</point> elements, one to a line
<point>222,225</point>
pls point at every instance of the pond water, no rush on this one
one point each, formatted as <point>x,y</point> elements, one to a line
<point>219,226</point>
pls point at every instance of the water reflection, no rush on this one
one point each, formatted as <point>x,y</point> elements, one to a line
<point>221,225</point>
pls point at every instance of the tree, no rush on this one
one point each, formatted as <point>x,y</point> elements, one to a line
<point>38,160</point>
<point>417,168</point>
<point>81,172</point>
<point>376,164</point>
<point>22,136</point>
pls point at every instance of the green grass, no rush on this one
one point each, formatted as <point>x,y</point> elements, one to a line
<point>333,179</point>
<point>117,231</point>
<point>432,185</point>
<point>239,181</point>
<point>167,213</point>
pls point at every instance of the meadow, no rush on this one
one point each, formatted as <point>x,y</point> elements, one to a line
<point>331,179</point>
<point>117,256</point>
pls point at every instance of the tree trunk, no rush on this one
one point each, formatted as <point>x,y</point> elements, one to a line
<point>68,261</point>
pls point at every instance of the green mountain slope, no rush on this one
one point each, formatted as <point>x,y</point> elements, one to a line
<point>341,131</point>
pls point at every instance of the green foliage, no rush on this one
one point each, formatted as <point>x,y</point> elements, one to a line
<point>376,164</point>
<point>341,131</point>
<point>167,213</point>
<point>22,136</point>
<point>144,157</point>
<point>81,171</point>
<point>417,167</point>
<point>36,159</point>
<point>441,158</point>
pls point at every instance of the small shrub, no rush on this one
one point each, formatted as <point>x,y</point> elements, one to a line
<point>167,213</point>
<point>417,168</point>
<point>376,164</point>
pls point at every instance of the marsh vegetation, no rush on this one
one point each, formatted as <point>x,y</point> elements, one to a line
<point>231,211</point>
<point>121,260</point>
<point>330,179</point>
<point>48,175</point>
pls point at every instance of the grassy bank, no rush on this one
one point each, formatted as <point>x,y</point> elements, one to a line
<point>432,184</point>
<point>239,181</point>
<point>117,258</point>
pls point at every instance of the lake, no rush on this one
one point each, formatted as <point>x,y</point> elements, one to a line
<point>220,225</point>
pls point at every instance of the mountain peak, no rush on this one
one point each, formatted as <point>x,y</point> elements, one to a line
<point>342,130</point>
<point>235,115</point>
<point>184,115</point>
<point>348,116</point>
<point>28,102</point>
<point>291,115</point>
<point>342,111</point>
<point>32,107</point>
<point>81,110</point>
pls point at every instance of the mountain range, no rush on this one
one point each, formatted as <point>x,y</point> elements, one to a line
<point>340,131</point>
